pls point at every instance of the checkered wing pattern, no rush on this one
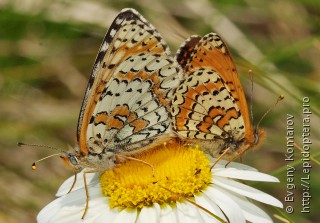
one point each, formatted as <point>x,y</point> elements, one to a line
<point>209,106</point>
<point>125,108</point>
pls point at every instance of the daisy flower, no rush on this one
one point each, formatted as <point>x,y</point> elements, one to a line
<point>181,190</point>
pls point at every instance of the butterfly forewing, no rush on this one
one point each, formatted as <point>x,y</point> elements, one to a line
<point>210,105</point>
<point>125,108</point>
<point>184,53</point>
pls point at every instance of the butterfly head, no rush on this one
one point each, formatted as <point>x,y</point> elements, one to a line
<point>72,160</point>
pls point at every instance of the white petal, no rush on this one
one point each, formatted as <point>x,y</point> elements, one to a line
<point>127,216</point>
<point>108,215</point>
<point>247,191</point>
<point>65,187</point>
<point>70,214</point>
<point>48,211</point>
<point>70,208</point>
<point>208,204</point>
<point>75,202</point>
<point>188,213</point>
<point>240,166</point>
<point>149,214</point>
<point>227,205</point>
<point>64,208</point>
<point>92,178</point>
<point>243,174</point>
<point>251,212</point>
<point>97,206</point>
<point>167,214</point>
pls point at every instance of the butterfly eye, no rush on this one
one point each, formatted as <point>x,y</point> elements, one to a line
<point>256,137</point>
<point>73,160</point>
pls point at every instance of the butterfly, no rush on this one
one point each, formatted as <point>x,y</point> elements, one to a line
<point>209,106</point>
<point>125,109</point>
<point>126,106</point>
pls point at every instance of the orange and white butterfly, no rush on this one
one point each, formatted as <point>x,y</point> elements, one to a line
<point>209,107</point>
<point>125,109</point>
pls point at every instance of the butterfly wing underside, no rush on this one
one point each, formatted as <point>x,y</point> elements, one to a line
<point>125,107</point>
<point>210,103</point>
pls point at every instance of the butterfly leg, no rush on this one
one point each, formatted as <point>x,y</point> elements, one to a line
<point>239,153</point>
<point>179,196</point>
<point>87,190</point>
<point>233,158</point>
<point>138,160</point>
<point>220,157</point>
<point>74,182</point>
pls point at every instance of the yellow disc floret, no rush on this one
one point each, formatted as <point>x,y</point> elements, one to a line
<point>179,171</point>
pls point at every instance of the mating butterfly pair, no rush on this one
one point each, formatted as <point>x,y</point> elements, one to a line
<point>138,96</point>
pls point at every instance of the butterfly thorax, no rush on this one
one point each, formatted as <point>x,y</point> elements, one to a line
<point>97,158</point>
<point>231,143</point>
<point>99,161</point>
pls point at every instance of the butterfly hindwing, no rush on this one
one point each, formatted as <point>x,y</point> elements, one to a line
<point>209,105</point>
<point>125,107</point>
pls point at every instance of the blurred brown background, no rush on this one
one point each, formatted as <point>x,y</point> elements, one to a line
<point>47,49</point>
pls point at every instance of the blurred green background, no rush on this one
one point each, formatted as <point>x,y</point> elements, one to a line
<point>47,49</point>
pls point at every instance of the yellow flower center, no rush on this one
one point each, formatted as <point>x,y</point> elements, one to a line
<point>179,170</point>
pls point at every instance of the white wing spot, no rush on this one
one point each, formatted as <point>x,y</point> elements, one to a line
<point>113,32</point>
<point>104,47</point>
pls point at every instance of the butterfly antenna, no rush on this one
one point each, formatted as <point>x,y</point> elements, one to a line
<point>43,146</point>
<point>251,94</point>
<point>34,167</point>
<point>61,153</point>
<point>281,97</point>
